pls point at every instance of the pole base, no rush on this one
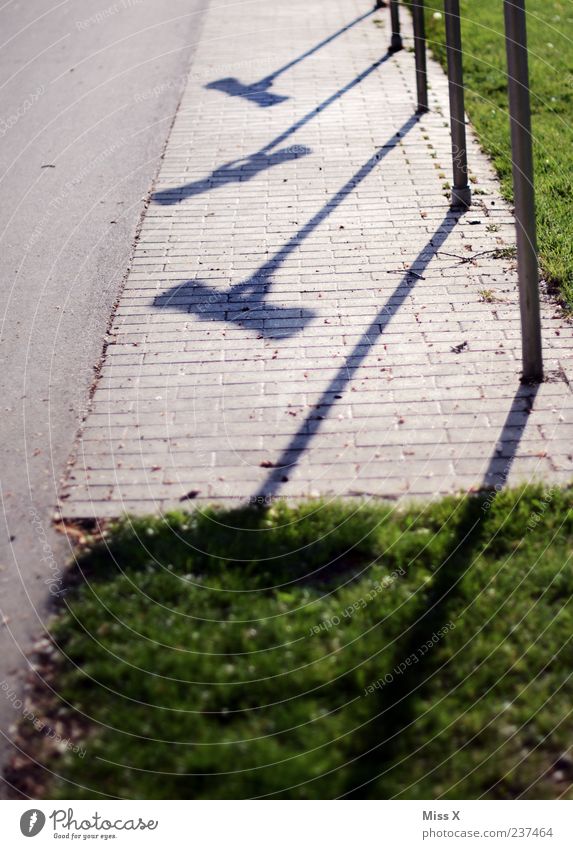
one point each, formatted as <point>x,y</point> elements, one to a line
<point>395,43</point>
<point>461,198</point>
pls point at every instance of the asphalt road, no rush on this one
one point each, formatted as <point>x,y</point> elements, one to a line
<point>88,91</point>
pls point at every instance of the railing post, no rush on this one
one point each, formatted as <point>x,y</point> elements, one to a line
<point>461,192</point>
<point>523,188</point>
<point>396,40</point>
<point>420,54</point>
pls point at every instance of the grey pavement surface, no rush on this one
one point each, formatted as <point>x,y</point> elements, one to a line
<point>304,315</point>
<point>88,95</point>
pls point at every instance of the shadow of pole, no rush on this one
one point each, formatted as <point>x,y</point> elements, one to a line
<point>242,170</point>
<point>244,303</point>
<point>312,424</point>
<point>372,765</point>
<point>237,171</point>
<point>258,92</point>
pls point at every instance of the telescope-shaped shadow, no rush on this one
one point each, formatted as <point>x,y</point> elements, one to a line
<point>238,171</point>
<point>213,305</point>
<point>301,441</point>
<point>243,305</point>
<point>262,159</point>
<point>258,93</point>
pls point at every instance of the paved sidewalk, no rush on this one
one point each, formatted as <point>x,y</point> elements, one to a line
<point>304,315</point>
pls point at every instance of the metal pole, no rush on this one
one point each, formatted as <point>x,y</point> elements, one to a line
<point>523,189</point>
<point>461,192</point>
<point>396,40</point>
<point>420,54</point>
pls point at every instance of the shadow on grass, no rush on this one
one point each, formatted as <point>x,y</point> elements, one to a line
<point>391,709</point>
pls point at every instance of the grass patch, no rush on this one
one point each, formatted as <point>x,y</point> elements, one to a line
<point>265,653</point>
<point>551,71</point>
<point>487,296</point>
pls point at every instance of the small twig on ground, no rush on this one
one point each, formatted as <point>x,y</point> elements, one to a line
<point>465,258</point>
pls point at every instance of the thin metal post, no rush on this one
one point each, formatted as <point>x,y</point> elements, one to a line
<point>461,192</point>
<point>523,188</point>
<point>396,40</point>
<point>420,54</point>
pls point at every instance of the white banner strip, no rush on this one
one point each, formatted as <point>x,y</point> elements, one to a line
<point>289,824</point>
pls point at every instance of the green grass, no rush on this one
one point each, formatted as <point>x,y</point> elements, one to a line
<point>551,70</point>
<point>234,654</point>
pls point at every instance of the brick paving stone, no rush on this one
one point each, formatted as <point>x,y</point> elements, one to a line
<point>304,314</point>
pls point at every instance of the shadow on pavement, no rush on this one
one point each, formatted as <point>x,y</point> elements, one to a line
<point>258,93</point>
<point>259,161</point>
<point>247,297</point>
<point>300,442</point>
<point>237,171</point>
